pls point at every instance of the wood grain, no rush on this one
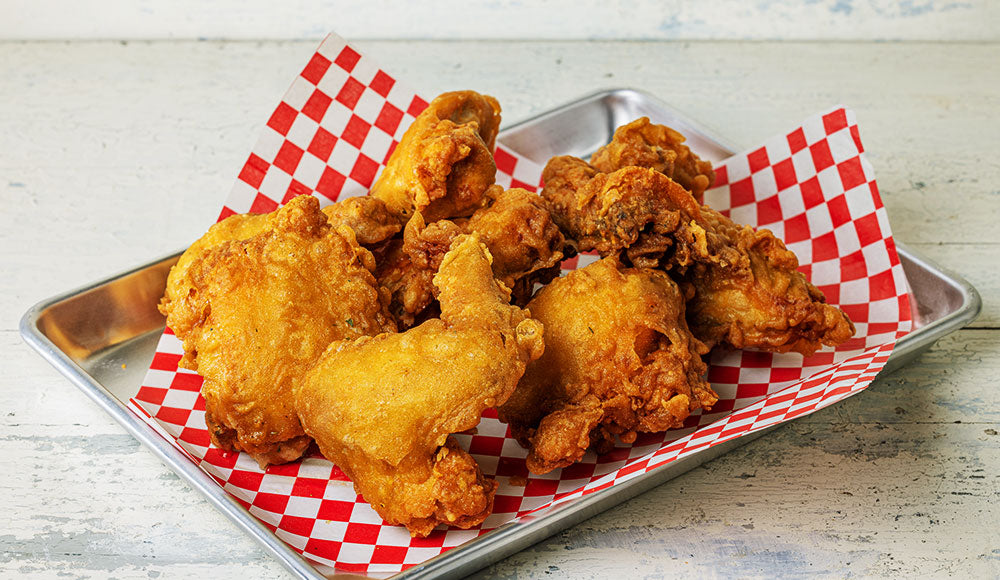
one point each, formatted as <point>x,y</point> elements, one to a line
<point>450,19</point>
<point>115,153</point>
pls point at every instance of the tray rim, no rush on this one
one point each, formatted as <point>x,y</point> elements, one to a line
<point>511,537</point>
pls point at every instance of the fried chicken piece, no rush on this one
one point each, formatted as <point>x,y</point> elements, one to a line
<point>635,210</point>
<point>747,291</point>
<point>657,147</point>
<point>255,314</point>
<point>369,217</point>
<point>406,265</point>
<point>180,293</point>
<point>427,244</point>
<point>383,408</point>
<point>444,163</point>
<point>753,296</point>
<point>409,286</point>
<point>619,359</point>
<point>516,226</point>
<point>526,245</point>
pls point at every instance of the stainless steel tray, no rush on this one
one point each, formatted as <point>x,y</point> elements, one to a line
<point>103,336</point>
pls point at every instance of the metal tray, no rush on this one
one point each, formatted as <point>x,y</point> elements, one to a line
<point>103,336</point>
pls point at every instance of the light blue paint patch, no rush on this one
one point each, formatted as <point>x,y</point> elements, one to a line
<point>92,445</point>
<point>317,30</point>
<point>955,6</point>
<point>911,8</point>
<point>969,406</point>
<point>842,6</point>
<point>742,554</point>
<point>670,26</point>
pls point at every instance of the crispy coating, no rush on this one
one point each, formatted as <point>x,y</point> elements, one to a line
<point>618,359</point>
<point>369,217</point>
<point>515,225</point>
<point>753,296</point>
<point>636,210</point>
<point>444,163</point>
<point>658,147</point>
<point>405,268</point>
<point>390,430</point>
<point>526,244</point>
<point>744,287</point>
<point>257,313</point>
<point>180,293</point>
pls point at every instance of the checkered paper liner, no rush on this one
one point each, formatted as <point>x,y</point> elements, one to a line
<point>330,135</point>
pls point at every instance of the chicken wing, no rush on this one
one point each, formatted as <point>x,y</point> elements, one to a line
<point>618,359</point>
<point>383,408</point>
<point>517,228</point>
<point>255,314</point>
<point>658,147</point>
<point>444,163</point>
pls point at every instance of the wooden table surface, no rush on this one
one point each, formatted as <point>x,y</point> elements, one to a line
<point>114,153</point>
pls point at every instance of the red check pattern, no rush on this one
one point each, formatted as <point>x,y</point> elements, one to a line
<point>330,136</point>
<point>333,132</point>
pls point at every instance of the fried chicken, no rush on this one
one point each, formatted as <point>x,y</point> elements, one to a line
<point>383,408</point>
<point>525,242</point>
<point>408,284</point>
<point>256,312</point>
<point>444,163</point>
<point>635,210</point>
<point>369,217</point>
<point>751,295</point>
<point>517,228</point>
<point>745,289</point>
<point>180,293</point>
<point>657,147</point>
<point>619,359</point>
<point>515,225</point>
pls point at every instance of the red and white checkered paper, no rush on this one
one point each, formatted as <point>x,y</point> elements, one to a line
<point>331,134</point>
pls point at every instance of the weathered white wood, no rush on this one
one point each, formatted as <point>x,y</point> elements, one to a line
<point>453,19</point>
<point>112,154</point>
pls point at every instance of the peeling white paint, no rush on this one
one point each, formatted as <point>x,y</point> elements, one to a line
<point>955,20</point>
